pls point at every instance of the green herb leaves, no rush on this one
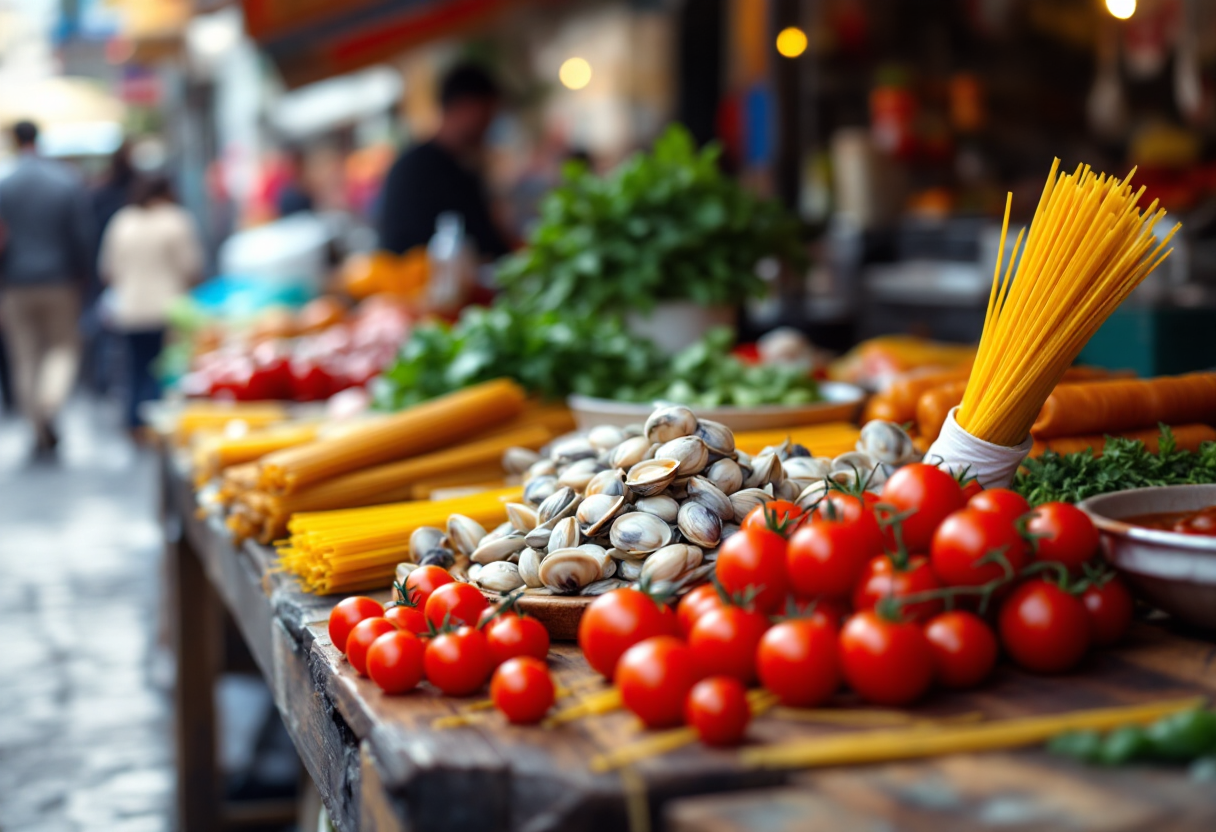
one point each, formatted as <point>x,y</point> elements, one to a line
<point>1125,463</point>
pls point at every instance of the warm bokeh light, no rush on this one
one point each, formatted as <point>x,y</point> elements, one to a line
<point>575,73</point>
<point>1122,9</point>
<point>791,42</point>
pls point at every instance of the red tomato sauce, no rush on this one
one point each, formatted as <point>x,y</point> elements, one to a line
<point>1202,521</point>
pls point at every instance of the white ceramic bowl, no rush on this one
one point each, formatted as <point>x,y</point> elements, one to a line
<point>1174,572</point>
<point>840,403</point>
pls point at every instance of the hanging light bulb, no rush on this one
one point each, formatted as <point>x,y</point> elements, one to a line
<point>1122,9</point>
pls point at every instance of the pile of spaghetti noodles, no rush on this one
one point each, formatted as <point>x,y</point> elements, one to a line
<point>1087,248</point>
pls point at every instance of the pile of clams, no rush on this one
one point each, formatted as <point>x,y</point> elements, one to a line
<point>614,507</point>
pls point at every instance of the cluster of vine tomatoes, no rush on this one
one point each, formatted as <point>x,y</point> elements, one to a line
<point>448,634</point>
<point>886,593</point>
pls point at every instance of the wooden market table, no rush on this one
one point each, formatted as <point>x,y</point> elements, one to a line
<point>380,765</point>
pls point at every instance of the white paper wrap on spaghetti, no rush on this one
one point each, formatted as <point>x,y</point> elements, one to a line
<point>959,452</point>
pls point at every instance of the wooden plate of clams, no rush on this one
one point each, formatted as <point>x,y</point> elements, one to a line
<point>616,506</point>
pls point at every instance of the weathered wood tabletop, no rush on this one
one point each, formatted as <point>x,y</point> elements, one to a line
<point>379,764</point>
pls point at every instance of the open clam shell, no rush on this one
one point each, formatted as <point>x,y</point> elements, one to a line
<point>596,513</point>
<point>651,476</point>
<point>638,533</point>
<point>610,482</point>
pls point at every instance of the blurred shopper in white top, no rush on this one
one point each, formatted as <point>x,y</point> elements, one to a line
<point>150,256</point>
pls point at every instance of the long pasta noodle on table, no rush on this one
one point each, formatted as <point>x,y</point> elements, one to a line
<point>426,427</point>
<point>1087,248</point>
<point>826,439</point>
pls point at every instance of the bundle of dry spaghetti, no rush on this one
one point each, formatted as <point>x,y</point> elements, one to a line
<point>214,417</point>
<point>215,453</point>
<point>1087,248</point>
<point>427,427</point>
<point>475,463</point>
<point>359,549</point>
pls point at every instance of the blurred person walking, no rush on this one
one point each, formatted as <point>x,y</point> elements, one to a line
<point>442,175</point>
<point>150,256</point>
<point>44,208</point>
<point>101,354</point>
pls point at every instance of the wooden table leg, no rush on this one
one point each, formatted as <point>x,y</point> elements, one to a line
<point>195,608</point>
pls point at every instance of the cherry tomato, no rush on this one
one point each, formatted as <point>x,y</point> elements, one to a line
<point>799,661</point>
<point>394,661</point>
<point>696,603</point>
<point>882,579</point>
<point>1110,607</point>
<point>964,648</point>
<point>929,493</point>
<point>348,613</point>
<point>886,662</point>
<point>361,638</point>
<point>840,507</point>
<point>782,513</point>
<point>423,581</point>
<point>523,689</point>
<point>827,558</point>
<point>455,604</point>
<point>1064,534</point>
<point>1009,504</point>
<point>516,635</point>
<point>718,709</point>
<point>410,619</point>
<point>618,620</point>
<point>970,488</point>
<point>459,662</point>
<point>724,641</point>
<point>830,611</point>
<point>1044,628</point>
<point>965,538</point>
<point>654,677</point>
<point>754,560</point>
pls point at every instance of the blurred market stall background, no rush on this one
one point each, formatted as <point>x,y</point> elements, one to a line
<point>889,131</point>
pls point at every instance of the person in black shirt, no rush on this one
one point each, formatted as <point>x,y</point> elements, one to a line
<point>441,175</point>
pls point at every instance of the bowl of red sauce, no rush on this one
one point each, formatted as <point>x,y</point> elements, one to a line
<point>1163,540</point>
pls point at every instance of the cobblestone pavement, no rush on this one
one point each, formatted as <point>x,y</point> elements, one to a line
<point>85,737</point>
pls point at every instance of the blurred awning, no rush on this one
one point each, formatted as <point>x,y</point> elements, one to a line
<point>314,39</point>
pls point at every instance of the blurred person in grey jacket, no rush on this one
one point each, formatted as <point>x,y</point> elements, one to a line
<point>47,251</point>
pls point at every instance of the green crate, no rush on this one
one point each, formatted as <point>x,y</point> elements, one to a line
<point>1155,341</point>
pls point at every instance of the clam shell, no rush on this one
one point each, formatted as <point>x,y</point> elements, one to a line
<point>498,550</point>
<point>667,564</point>
<point>651,476</point>
<point>565,534</point>
<point>518,460</point>
<point>437,557</point>
<point>668,423</point>
<point>887,442</point>
<point>699,525</point>
<point>540,489</point>
<point>538,538</point>
<point>566,571</point>
<point>747,499</point>
<point>596,513</point>
<point>701,490</point>
<point>766,468</point>
<point>689,451</point>
<point>660,505</point>
<point>539,590</point>
<point>521,517</point>
<point>473,572</point>
<point>500,576</point>
<point>603,586</point>
<point>694,576</point>
<point>630,452</point>
<point>726,475</point>
<point>561,503</point>
<point>578,474</point>
<point>639,533</point>
<point>807,468</point>
<point>789,489</point>
<point>465,533</point>
<point>605,437</point>
<point>812,494</point>
<point>529,566</point>
<point>572,449</point>
<point>610,482</point>
<point>629,570</point>
<point>541,468</point>
<point>425,539</point>
<point>716,436</point>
